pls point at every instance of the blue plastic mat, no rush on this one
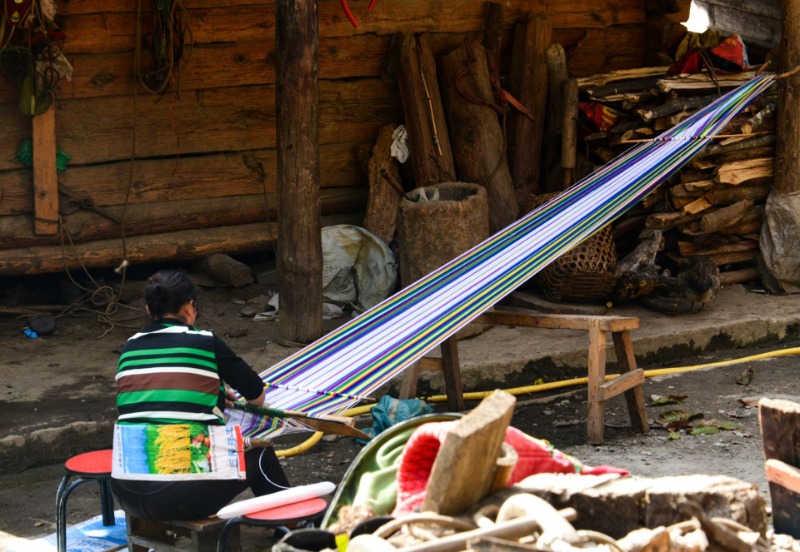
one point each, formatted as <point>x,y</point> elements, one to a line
<point>87,536</point>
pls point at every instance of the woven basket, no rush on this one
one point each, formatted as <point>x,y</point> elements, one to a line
<point>585,273</point>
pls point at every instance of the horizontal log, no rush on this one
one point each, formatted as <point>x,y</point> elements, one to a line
<point>728,196</point>
<point>157,217</point>
<point>724,217</point>
<point>602,79</point>
<point>741,276</point>
<point>149,248</point>
<point>95,130</point>
<point>208,176</point>
<point>114,29</point>
<point>700,82</point>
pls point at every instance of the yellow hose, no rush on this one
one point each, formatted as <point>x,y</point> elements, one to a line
<point>528,389</point>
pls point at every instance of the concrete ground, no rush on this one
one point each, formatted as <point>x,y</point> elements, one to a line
<point>59,390</point>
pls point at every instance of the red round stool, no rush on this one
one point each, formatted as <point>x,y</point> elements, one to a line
<point>290,514</point>
<point>90,466</point>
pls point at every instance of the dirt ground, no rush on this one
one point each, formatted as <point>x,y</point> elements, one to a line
<point>84,346</point>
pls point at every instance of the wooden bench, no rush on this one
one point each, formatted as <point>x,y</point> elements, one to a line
<point>599,390</point>
<point>144,535</point>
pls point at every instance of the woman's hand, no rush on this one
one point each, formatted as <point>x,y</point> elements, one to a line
<point>230,397</point>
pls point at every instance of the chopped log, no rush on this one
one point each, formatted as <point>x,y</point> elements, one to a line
<point>697,206</point>
<point>383,199</point>
<point>725,216</point>
<point>528,84</point>
<point>688,249</point>
<point>475,132</point>
<point>758,120</point>
<point>741,276</point>
<point>675,104</point>
<point>464,469</point>
<point>729,196</point>
<point>743,228</point>
<point>431,157</point>
<point>749,144</point>
<point>620,505</point>
<point>722,259</point>
<point>569,139</point>
<point>681,190</point>
<point>666,221</point>
<point>780,432</point>
<point>698,185</point>
<point>227,270</point>
<point>738,172</point>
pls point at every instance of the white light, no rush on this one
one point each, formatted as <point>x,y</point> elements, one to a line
<point>698,19</point>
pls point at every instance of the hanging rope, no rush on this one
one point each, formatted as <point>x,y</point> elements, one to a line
<point>171,42</point>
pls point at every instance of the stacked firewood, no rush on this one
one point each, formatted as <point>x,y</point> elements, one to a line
<point>714,206</point>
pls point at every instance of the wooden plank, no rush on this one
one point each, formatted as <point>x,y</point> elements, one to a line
<point>528,83</point>
<point>558,321</point>
<point>621,384</point>
<point>465,465</point>
<point>45,175</point>
<point>779,420</point>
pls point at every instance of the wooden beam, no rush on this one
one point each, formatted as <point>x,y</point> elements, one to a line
<point>300,242</point>
<point>45,175</point>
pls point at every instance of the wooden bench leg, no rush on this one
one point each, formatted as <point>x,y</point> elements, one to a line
<point>623,345</point>
<point>597,376</point>
<point>452,375</point>
<point>408,387</point>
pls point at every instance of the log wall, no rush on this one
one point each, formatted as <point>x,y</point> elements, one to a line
<point>204,153</point>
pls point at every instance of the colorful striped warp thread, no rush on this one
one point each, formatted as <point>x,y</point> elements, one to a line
<point>338,370</point>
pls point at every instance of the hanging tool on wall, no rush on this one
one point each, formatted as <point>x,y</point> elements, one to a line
<point>349,14</point>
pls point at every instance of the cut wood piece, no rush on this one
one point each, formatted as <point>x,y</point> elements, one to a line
<point>528,84</point>
<point>725,216</point>
<point>45,174</point>
<point>697,206</point>
<point>675,104</point>
<point>750,144</point>
<point>224,268</point>
<point>757,121</point>
<point>383,199</point>
<point>475,131</point>
<point>729,196</point>
<point>780,432</point>
<point>704,82</point>
<point>741,276</point>
<point>465,465</point>
<point>601,79</point>
<point>738,172</point>
<point>698,185</point>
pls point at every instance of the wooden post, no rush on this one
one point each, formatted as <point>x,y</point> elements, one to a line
<point>45,176</point>
<point>780,233</point>
<point>780,432</point>
<point>528,84</point>
<point>299,236</point>
<point>557,75</point>
<point>493,37</point>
